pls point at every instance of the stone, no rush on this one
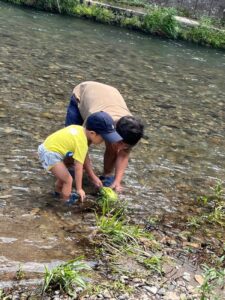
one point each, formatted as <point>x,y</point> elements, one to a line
<point>171,296</point>
<point>151,289</point>
<point>187,276</point>
<point>199,279</point>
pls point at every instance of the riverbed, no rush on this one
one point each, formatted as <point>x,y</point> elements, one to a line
<point>176,88</point>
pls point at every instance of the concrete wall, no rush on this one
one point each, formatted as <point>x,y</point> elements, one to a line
<point>197,7</point>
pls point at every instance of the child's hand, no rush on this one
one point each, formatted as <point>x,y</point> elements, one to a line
<point>81,192</point>
<point>97,182</point>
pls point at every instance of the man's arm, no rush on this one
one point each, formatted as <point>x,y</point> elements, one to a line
<point>120,166</point>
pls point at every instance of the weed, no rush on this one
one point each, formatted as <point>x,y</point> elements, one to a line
<point>20,274</point>
<point>121,287</point>
<point>213,279</point>
<point>154,263</point>
<point>161,21</point>
<point>3,296</point>
<point>65,276</point>
<point>107,200</point>
<point>194,221</point>
<point>214,206</point>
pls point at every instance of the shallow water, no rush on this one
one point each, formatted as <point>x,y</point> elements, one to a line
<point>176,88</point>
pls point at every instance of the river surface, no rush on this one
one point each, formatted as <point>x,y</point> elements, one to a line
<point>176,88</point>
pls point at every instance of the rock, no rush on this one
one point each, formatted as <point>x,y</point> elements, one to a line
<point>151,289</point>
<point>199,279</point>
<point>106,294</point>
<point>124,279</point>
<point>161,291</point>
<point>123,297</point>
<point>193,245</point>
<point>187,276</point>
<point>171,296</point>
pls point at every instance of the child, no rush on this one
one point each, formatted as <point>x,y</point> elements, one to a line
<point>74,140</point>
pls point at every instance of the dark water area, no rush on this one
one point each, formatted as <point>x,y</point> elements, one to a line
<point>176,88</point>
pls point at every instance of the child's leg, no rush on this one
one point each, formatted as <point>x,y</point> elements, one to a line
<point>58,186</point>
<point>64,179</point>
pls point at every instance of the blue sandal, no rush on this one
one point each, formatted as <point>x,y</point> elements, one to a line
<point>107,180</point>
<point>74,197</point>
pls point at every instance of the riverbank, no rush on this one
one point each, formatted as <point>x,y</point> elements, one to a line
<point>169,257</point>
<point>154,20</point>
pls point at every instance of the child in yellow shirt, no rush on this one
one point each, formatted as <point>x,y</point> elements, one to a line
<point>74,140</point>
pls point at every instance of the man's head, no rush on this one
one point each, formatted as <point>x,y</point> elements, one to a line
<point>102,124</point>
<point>130,129</point>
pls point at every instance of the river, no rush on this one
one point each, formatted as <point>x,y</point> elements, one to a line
<point>176,88</point>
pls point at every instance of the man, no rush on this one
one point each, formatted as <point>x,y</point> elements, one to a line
<point>90,97</point>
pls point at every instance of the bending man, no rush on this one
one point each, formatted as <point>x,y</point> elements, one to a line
<point>90,97</point>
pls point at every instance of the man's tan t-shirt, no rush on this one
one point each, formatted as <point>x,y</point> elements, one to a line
<point>94,96</point>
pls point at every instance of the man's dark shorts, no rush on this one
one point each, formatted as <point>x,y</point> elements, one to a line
<point>73,115</point>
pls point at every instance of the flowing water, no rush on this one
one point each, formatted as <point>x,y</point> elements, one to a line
<point>176,88</point>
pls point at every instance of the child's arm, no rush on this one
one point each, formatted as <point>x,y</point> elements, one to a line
<point>78,167</point>
<point>88,168</point>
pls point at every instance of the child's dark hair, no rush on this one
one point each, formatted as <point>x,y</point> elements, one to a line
<point>130,129</point>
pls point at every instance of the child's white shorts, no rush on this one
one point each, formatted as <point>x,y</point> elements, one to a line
<point>48,158</point>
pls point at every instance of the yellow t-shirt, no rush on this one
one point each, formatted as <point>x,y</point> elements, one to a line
<point>69,139</point>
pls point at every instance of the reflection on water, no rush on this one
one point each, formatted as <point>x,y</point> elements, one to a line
<point>177,89</point>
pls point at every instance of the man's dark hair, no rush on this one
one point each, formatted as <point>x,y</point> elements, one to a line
<point>130,129</point>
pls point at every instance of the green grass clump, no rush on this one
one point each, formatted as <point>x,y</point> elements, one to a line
<point>205,36</point>
<point>161,21</point>
<point>95,12</point>
<point>119,234</point>
<point>107,199</point>
<point>213,280</point>
<point>213,209</point>
<point>153,263</point>
<point>65,276</point>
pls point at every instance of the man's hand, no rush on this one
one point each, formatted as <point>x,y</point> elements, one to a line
<point>117,187</point>
<point>81,192</point>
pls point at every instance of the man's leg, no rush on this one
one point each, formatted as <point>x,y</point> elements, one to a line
<point>73,115</point>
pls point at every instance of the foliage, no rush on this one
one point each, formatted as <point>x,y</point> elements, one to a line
<point>61,6</point>
<point>20,274</point>
<point>205,35</point>
<point>65,276</point>
<point>161,21</point>
<point>107,199</point>
<point>213,279</point>
<point>3,296</point>
<point>137,3</point>
<point>132,22</point>
<point>214,206</point>
<point>94,12</point>
<point>153,263</point>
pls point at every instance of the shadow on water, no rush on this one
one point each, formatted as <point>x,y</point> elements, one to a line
<point>178,90</point>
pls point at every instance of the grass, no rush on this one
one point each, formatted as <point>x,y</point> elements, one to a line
<point>161,21</point>
<point>20,274</point>
<point>154,263</point>
<point>213,209</point>
<point>65,277</point>
<point>107,200</point>
<point>213,279</point>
